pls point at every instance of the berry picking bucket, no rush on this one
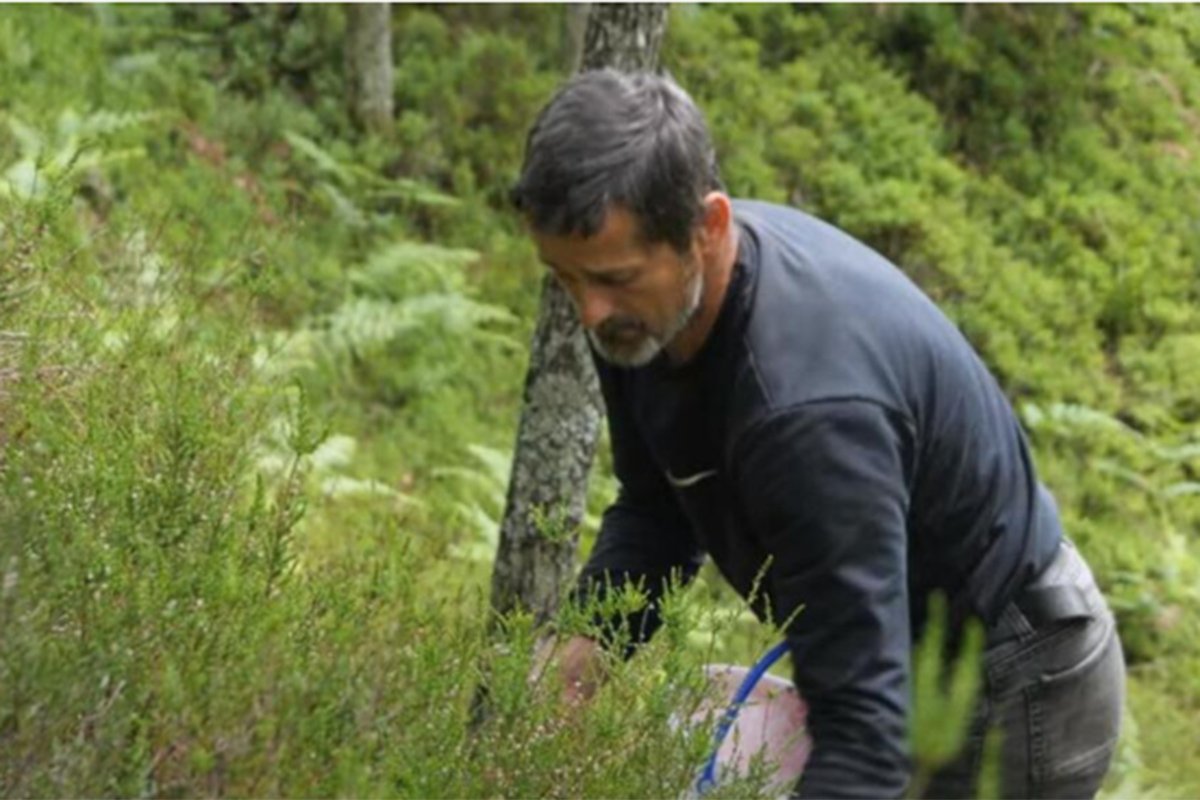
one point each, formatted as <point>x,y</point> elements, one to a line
<point>764,723</point>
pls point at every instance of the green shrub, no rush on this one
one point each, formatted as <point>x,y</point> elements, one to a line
<point>259,375</point>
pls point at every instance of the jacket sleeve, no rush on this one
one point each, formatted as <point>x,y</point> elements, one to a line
<point>644,536</point>
<point>826,487</point>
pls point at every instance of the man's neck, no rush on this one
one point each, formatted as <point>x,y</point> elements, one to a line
<point>717,274</point>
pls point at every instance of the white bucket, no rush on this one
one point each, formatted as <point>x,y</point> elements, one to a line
<point>769,728</point>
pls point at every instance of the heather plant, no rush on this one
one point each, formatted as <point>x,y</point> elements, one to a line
<point>259,374</point>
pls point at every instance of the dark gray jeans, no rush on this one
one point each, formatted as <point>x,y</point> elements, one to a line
<point>1054,684</point>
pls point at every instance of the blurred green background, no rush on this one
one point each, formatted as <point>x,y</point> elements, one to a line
<point>260,371</point>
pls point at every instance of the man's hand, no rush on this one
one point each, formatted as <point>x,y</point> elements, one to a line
<point>578,663</point>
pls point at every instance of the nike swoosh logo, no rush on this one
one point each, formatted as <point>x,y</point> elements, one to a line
<point>690,480</point>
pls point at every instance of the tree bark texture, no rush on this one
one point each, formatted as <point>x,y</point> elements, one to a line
<point>556,442</point>
<point>624,36</point>
<point>562,409</point>
<point>575,27</point>
<point>369,64</point>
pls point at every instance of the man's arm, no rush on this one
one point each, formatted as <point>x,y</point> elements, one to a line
<point>644,536</point>
<point>826,488</point>
<point>644,539</point>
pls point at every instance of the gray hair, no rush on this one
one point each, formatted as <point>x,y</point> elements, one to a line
<point>607,138</point>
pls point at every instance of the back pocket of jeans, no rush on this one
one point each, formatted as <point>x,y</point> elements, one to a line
<point>1076,713</point>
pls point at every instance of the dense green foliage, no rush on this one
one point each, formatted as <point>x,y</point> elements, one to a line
<point>259,374</point>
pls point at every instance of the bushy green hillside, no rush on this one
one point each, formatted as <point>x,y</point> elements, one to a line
<point>259,374</point>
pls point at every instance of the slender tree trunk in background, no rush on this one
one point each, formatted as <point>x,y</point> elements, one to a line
<point>369,64</point>
<point>576,26</point>
<point>556,441</point>
<point>624,36</point>
<point>562,410</point>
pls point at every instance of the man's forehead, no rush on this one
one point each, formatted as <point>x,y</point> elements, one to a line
<point>615,245</point>
<point>568,263</point>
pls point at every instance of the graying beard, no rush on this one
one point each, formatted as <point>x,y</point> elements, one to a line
<point>652,345</point>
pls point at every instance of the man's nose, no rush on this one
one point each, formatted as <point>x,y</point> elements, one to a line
<point>594,308</point>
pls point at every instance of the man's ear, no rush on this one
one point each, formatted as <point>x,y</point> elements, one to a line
<point>716,222</point>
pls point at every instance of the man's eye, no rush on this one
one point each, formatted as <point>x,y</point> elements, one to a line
<point>614,278</point>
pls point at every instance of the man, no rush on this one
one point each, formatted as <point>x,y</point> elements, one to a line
<point>778,394</point>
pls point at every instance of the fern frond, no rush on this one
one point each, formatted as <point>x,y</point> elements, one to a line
<point>345,486</point>
<point>101,123</point>
<point>413,192</point>
<point>454,313</point>
<point>473,478</point>
<point>370,184</point>
<point>335,452</point>
<point>496,463</point>
<point>322,160</point>
<point>402,269</point>
<point>363,327</point>
<point>343,207</point>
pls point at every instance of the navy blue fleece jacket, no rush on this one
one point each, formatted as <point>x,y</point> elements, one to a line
<point>838,423</point>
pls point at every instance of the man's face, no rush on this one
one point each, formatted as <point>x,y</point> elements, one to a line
<point>633,298</point>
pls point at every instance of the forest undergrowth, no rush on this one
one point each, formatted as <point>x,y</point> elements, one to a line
<point>260,373</point>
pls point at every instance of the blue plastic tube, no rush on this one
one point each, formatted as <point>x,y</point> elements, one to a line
<point>708,776</point>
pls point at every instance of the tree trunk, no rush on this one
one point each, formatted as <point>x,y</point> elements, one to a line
<point>575,27</point>
<point>562,412</point>
<point>369,64</point>
<point>624,36</point>
<point>556,441</point>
